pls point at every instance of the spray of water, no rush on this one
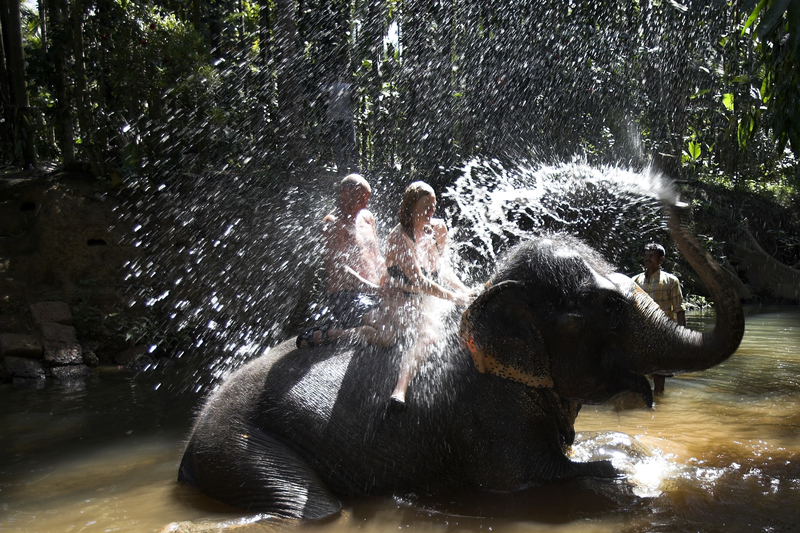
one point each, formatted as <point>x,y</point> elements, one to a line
<point>611,208</point>
<point>232,262</point>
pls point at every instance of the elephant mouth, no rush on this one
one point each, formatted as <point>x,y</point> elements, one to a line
<point>624,382</point>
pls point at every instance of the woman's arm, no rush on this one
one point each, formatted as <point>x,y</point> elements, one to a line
<point>400,252</point>
<point>446,272</point>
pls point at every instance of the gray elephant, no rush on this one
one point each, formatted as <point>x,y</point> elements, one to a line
<point>493,408</point>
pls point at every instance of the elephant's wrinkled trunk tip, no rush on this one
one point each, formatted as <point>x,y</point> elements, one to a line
<point>699,351</point>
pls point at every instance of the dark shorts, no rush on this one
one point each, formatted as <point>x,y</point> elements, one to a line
<point>348,307</point>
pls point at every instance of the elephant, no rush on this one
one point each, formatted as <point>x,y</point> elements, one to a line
<point>294,431</point>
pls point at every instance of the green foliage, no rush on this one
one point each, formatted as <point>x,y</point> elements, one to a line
<point>117,328</point>
<point>683,85</point>
<point>696,302</point>
<point>778,35</point>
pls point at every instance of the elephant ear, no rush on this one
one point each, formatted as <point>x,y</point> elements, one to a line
<point>500,331</point>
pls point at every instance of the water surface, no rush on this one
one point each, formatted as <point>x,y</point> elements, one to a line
<point>720,451</point>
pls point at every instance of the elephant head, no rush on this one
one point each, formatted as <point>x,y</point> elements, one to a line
<point>556,315</point>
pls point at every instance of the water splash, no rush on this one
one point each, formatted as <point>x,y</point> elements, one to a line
<point>232,261</point>
<point>613,209</point>
<point>644,468</point>
<point>229,261</point>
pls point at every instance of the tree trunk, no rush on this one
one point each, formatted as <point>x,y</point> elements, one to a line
<point>373,138</point>
<point>266,79</point>
<point>265,51</point>
<point>15,60</point>
<point>6,138</point>
<point>289,132</point>
<point>59,43</point>
<point>43,27</point>
<point>93,152</point>
<point>45,34</point>
<point>196,15</point>
<point>428,73</point>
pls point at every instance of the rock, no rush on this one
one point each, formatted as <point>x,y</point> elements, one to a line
<point>90,359</point>
<point>51,312</point>
<point>27,383</point>
<point>60,345</point>
<point>20,367</point>
<point>134,357</point>
<point>69,372</point>
<point>17,345</point>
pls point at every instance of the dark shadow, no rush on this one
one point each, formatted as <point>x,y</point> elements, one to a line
<point>559,502</point>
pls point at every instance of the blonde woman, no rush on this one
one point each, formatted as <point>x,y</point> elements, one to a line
<point>416,272</point>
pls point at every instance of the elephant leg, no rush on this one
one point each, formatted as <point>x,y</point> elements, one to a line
<point>253,470</point>
<point>598,469</point>
<point>551,464</point>
<point>639,385</point>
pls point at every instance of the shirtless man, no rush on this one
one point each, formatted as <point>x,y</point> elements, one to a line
<point>353,262</point>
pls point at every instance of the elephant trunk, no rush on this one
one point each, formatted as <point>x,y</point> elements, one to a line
<point>674,349</point>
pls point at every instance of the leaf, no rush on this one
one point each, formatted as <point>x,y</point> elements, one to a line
<point>754,14</point>
<point>727,101</point>
<point>771,18</point>
<point>694,150</point>
<point>747,5</point>
<point>743,131</point>
<point>766,94</point>
<point>699,93</point>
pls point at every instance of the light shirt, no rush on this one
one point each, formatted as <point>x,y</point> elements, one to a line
<point>665,289</point>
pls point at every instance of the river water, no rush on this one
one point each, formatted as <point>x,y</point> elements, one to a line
<point>719,452</point>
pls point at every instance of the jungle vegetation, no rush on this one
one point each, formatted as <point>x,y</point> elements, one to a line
<point>705,89</point>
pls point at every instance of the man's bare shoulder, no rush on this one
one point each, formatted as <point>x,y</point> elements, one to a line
<point>331,222</point>
<point>367,216</point>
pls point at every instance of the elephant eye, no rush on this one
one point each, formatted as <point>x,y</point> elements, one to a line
<point>613,309</point>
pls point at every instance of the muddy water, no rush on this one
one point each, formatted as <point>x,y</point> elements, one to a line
<point>719,452</point>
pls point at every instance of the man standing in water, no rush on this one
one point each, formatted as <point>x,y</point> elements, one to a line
<point>665,289</point>
<point>353,262</point>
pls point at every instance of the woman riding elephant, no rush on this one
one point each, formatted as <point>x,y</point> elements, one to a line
<point>293,431</point>
<point>417,272</point>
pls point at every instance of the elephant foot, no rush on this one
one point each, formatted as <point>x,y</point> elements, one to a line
<point>641,386</point>
<point>597,469</point>
<point>658,382</point>
<point>256,471</point>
